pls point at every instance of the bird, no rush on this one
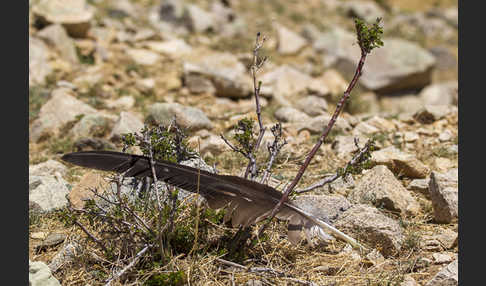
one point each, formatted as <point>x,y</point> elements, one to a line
<point>246,202</point>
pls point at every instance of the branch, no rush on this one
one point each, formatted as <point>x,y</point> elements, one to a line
<point>131,264</point>
<point>357,159</point>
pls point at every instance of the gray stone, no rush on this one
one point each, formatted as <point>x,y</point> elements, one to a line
<point>198,20</point>
<point>444,200</point>
<point>366,10</point>
<point>325,207</point>
<point>187,117</point>
<point>40,275</point>
<point>381,123</point>
<point>199,84</point>
<point>405,105</point>
<point>125,102</point>
<point>344,144</point>
<point>431,113</point>
<point>213,144</point>
<point>442,240</point>
<point>317,124</point>
<point>284,84</point>
<point>39,67</point>
<point>57,36</point>
<point>48,192</point>
<point>175,48</point>
<point>64,256</point>
<point>75,17</point>
<point>441,258</point>
<point>61,108</point>
<point>52,239</point>
<point>446,60</point>
<point>226,73</point>
<point>128,122</point>
<point>91,125</point>
<point>50,167</point>
<point>364,128</point>
<point>420,185</point>
<point>408,281</point>
<point>370,225</point>
<point>447,276</point>
<point>289,42</point>
<point>399,65</point>
<point>143,57</point>
<point>334,81</point>
<point>380,188</point>
<point>400,163</point>
<point>410,25</point>
<point>312,105</point>
<point>440,93</point>
<point>290,114</point>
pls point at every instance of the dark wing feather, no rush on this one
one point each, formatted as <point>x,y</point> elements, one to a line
<point>247,201</point>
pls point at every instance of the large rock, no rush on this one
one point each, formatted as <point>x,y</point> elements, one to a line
<point>50,167</point>
<point>187,117</point>
<point>370,225</point>
<point>440,93</point>
<point>143,57</point>
<point>316,125</point>
<point>56,35</point>
<point>48,192</point>
<point>91,125</point>
<point>312,105</point>
<point>128,122</point>
<point>444,200</point>
<point>39,67</point>
<point>325,207</point>
<point>284,84</point>
<point>40,275</point>
<point>82,190</point>
<point>198,20</point>
<point>175,48</point>
<point>447,276</point>
<point>289,42</point>
<point>379,187</point>
<point>366,10</point>
<point>290,114</point>
<point>75,17</point>
<point>61,108</point>
<point>398,65</point>
<point>400,162</point>
<point>228,76</point>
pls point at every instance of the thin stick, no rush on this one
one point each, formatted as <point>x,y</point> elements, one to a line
<point>131,264</point>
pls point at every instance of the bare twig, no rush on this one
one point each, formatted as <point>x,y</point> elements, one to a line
<point>91,236</point>
<point>273,149</point>
<point>130,265</point>
<point>357,159</point>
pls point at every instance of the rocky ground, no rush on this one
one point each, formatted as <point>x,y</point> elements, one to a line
<point>101,68</point>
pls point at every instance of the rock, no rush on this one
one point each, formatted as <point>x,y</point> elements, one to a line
<point>419,23</point>
<point>199,84</point>
<point>61,108</point>
<point>420,185</point>
<point>51,240</point>
<point>175,48</point>
<point>64,256</point>
<point>128,122</point>
<point>312,105</point>
<point>317,124</point>
<point>446,135</point>
<point>400,163</point>
<point>440,94</point>
<point>317,87</point>
<point>397,66</point>
<point>408,281</point>
<point>213,144</point>
<point>143,57</point>
<point>380,188</point>
<point>444,201</point>
<point>410,136</point>
<point>289,42</point>
<point>82,190</point>
<point>187,117</point>
<point>381,124</point>
<point>431,113</point>
<point>370,225</point>
<point>401,105</point>
<point>39,67</point>
<point>50,167</point>
<point>325,207</point>
<point>90,143</point>
<point>75,17</point>
<point>198,20</point>
<point>290,114</point>
<point>124,102</point>
<point>344,144</point>
<point>441,258</point>
<point>254,282</point>
<point>363,128</point>
<point>56,35</point>
<point>48,192</point>
<point>365,10</point>
<point>145,84</point>
<point>443,240</point>
<point>447,276</point>
<point>334,81</point>
<point>446,60</point>
<point>226,73</point>
<point>284,84</point>
<point>91,125</point>
<point>40,275</point>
